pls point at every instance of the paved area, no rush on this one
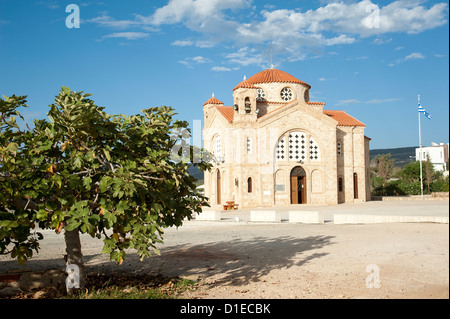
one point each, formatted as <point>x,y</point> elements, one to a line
<point>281,260</point>
<point>436,208</point>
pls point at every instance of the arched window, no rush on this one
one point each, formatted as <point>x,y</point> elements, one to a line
<point>293,147</point>
<point>249,185</point>
<point>248,106</point>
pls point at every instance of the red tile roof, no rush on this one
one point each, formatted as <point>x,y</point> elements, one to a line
<point>244,85</point>
<point>227,112</point>
<point>272,102</point>
<point>343,118</point>
<point>213,100</point>
<point>274,75</point>
<point>316,103</point>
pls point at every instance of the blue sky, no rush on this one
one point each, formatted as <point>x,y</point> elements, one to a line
<point>370,59</point>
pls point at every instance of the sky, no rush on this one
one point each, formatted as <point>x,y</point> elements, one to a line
<point>370,59</point>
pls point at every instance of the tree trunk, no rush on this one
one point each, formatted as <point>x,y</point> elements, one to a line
<point>75,279</point>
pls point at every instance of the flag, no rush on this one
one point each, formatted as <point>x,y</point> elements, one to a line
<point>424,112</point>
<point>421,109</point>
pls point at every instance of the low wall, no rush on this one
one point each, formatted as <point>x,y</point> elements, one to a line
<point>376,219</point>
<point>434,196</point>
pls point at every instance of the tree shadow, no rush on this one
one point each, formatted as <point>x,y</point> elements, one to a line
<point>231,262</point>
<point>238,261</point>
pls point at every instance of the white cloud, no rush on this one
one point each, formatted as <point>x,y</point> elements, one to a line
<point>127,35</point>
<point>220,69</point>
<point>190,62</point>
<point>342,39</point>
<point>381,41</point>
<point>378,101</point>
<point>107,21</point>
<point>412,56</point>
<point>349,101</point>
<point>198,44</point>
<point>182,43</point>
<point>246,56</point>
<point>296,31</point>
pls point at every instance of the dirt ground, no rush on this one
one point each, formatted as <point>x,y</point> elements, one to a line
<point>270,261</point>
<point>327,261</point>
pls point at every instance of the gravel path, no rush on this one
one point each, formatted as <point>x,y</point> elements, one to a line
<point>244,260</point>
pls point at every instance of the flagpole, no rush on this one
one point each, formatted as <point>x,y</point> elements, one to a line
<point>420,154</point>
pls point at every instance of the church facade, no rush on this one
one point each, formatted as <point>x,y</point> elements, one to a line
<point>276,147</point>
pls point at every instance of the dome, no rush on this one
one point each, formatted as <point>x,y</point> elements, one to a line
<point>274,75</point>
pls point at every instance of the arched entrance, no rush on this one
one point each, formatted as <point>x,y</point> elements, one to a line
<point>218,187</point>
<point>298,185</point>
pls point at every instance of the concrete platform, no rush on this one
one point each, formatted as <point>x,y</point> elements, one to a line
<point>378,219</point>
<point>305,217</point>
<point>209,215</point>
<point>426,211</point>
<point>265,216</point>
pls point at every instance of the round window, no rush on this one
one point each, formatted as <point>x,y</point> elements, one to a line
<point>286,94</point>
<point>260,95</point>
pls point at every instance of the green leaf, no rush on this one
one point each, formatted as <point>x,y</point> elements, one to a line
<point>9,223</point>
<point>42,214</point>
<point>77,163</point>
<point>87,183</point>
<point>104,184</point>
<point>13,147</point>
<point>107,155</point>
<point>72,226</point>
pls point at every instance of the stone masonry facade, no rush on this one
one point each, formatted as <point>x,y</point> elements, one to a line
<point>275,147</point>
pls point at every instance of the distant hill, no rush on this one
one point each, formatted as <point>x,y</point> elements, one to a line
<point>194,171</point>
<point>401,155</point>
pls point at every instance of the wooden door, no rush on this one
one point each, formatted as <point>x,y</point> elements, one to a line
<point>294,189</point>
<point>302,184</point>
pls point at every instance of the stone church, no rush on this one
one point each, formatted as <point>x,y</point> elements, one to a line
<point>276,147</point>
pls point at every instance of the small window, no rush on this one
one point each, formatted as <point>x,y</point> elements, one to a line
<point>249,145</point>
<point>249,185</point>
<point>248,105</point>
<point>339,148</point>
<point>306,96</point>
<point>340,184</point>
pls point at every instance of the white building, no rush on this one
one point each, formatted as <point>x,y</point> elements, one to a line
<point>438,155</point>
